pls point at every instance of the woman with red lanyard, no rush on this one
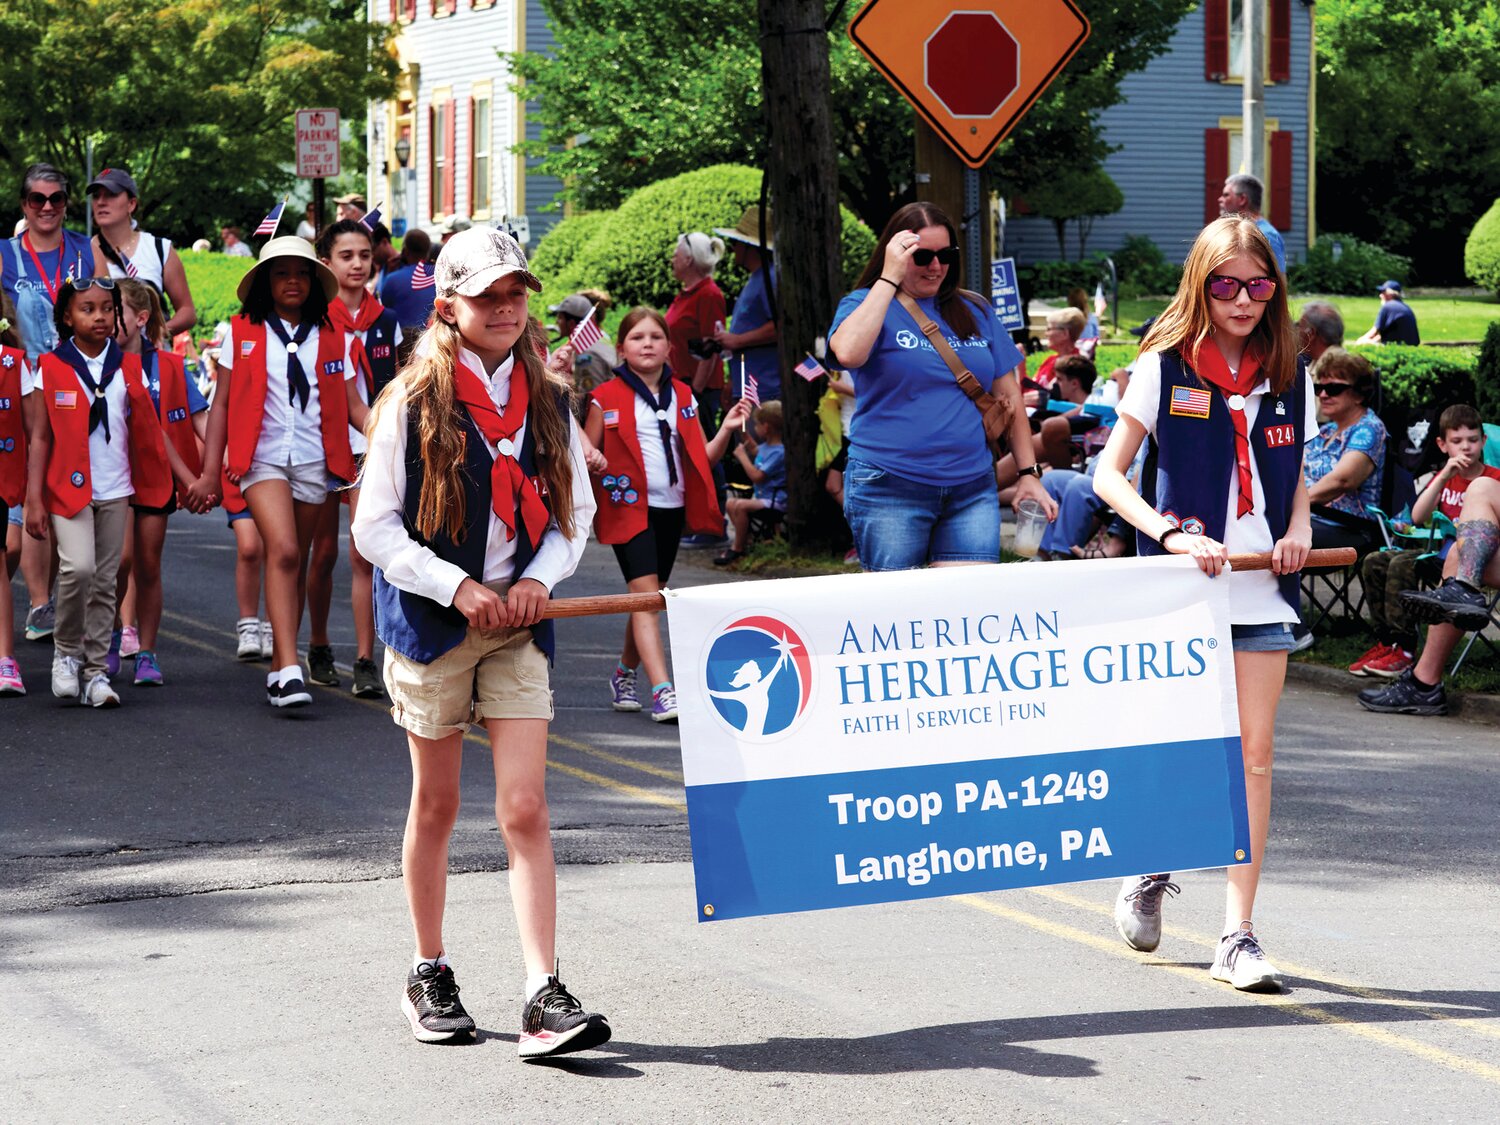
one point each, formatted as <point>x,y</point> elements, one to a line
<point>18,411</point>
<point>284,402</point>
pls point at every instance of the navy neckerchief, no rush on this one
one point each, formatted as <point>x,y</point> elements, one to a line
<point>296,378</point>
<point>98,409</point>
<point>661,406</point>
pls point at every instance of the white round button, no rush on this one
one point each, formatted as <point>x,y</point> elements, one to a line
<point>291,349</point>
<point>661,415</point>
<point>1236,402</point>
<point>507,447</point>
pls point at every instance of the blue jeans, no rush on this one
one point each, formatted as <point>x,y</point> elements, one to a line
<point>901,524</point>
<point>1077,510</point>
<point>1274,636</point>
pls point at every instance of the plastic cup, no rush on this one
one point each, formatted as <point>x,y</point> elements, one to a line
<point>1031,521</point>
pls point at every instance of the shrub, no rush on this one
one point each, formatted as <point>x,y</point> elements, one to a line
<point>1482,251</point>
<point>1361,266</point>
<point>1053,279</point>
<point>1143,267</point>
<point>212,279</point>
<point>561,244</point>
<point>1487,374</point>
<point>1423,380</point>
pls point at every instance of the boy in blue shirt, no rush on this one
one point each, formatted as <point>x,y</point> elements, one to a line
<point>767,472</point>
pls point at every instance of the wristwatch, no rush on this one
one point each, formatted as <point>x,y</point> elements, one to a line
<point>1030,471</point>
<point>1161,540</point>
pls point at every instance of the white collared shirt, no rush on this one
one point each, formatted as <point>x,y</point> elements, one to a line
<point>109,461</point>
<point>660,491</point>
<point>356,436</point>
<point>288,434</point>
<point>381,535</point>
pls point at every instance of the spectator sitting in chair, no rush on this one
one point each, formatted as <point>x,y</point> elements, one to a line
<point>767,473</point>
<point>1456,607</point>
<point>1386,575</point>
<point>1344,462</point>
<point>1058,421</point>
<point>1064,327</point>
<point>1319,327</point>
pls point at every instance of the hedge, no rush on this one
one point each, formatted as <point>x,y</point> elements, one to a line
<point>1487,374</point>
<point>213,278</point>
<point>1482,250</point>
<point>1423,380</point>
<point>560,246</point>
<point>1360,268</point>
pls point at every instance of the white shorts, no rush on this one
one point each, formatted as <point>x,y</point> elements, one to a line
<point>309,482</point>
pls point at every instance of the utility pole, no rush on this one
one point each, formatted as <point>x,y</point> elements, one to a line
<point>1253,110</point>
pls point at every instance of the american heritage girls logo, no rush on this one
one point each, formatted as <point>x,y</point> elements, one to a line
<point>759,676</point>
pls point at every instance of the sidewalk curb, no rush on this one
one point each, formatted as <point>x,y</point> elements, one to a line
<point>1474,707</point>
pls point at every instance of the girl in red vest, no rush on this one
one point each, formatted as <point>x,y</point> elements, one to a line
<point>284,402</point>
<point>658,482</point>
<point>183,414</point>
<point>98,445</point>
<point>18,414</point>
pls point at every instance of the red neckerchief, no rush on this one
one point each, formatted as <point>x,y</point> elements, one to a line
<point>507,481</point>
<point>1209,363</point>
<point>362,321</point>
<point>52,284</point>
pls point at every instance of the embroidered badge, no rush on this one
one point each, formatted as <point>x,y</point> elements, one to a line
<point>631,496</point>
<point>177,415</point>
<point>623,481</point>
<point>77,480</point>
<point>615,495</point>
<point>1281,435</point>
<point>611,417</point>
<point>380,351</point>
<point>246,347</point>
<point>7,361</point>
<point>1192,526</point>
<point>608,482</point>
<point>333,367</point>
<point>690,412</point>
<point>1189,402</point>
<point>4,404</point>
<point>8,445</point>
<point>65,400</point>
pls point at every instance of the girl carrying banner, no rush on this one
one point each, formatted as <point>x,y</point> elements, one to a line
<point>1222,395</point>
<point>475,505</point>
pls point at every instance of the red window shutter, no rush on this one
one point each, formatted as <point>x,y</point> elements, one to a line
<point>433,206</point>
<point>450,180</point>
<point>410,8</point>
<point>450,6</point>
<point>472,150</point>
<point>1215,40</point>
<point>1281,180</point>
<point>1215,170</point>
<point>1281,40</point>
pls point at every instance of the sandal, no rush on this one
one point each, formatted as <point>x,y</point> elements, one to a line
<point>725,557</point>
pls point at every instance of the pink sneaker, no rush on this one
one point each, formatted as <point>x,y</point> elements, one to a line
<point>10,677</point>
<point>130,641</point>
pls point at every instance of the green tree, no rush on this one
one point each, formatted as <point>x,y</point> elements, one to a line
<point>1077,194</point>
<point>638,92</point>
<point>194,97</point>
<point>1408,112</point>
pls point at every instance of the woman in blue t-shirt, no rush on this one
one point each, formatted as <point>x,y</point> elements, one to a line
<point>919,487</point>
<point>1345,463</point>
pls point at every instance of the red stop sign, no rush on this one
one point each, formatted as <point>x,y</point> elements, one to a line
<point>972,63</point>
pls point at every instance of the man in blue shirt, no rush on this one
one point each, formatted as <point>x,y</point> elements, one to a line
<point>755,333</point>
<point>1242,195</point>
<point>34,264</point>
<point>1395,323</point>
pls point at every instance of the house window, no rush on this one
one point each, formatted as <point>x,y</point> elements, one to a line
<point>440,155</point>
<point>1224,155</point>
<point>480,130</point>
<point>1225,45</point>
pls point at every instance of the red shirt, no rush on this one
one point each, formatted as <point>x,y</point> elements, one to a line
<point>1451,502</point>
<point>693,314</point>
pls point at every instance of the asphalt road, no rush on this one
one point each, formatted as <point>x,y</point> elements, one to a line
<point>201,919</point>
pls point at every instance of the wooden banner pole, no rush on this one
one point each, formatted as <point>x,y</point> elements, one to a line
<point>639,603</point>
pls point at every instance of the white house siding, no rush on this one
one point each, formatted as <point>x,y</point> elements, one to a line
<point>1159,166</point>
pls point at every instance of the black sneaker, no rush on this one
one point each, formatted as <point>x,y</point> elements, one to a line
<point>320,668</point>
<point>1452,603</point>
<point>1404,696</point>
<point>293,693</point>
<point>433,1008</point>
<point>554,1023</point>
<point>367,679</point>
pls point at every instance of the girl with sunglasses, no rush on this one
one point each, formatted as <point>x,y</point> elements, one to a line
<point>919,483</point>
<point>1223,397</point>
<point>95,448</point>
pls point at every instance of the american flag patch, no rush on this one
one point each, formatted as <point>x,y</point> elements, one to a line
<point>611,417</point>
<point>246,347</point>
<point>65,400</point>
<point>1189,402</point>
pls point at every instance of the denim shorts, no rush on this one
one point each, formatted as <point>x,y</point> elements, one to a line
<point>16,516</point>
<point>901,524</point>
<point>1273,636</point>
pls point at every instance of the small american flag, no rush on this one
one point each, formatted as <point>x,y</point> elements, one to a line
<point>422,277</point>
<point>587,334</point>
<point>751,392</point>
<point>810,369</point>
<point>269,224</point>
<point>370,219</point>
<point>130,270</point>
<point>1189,402</point>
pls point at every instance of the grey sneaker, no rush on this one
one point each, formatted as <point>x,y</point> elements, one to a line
<point>247,638</point>
<point>367,679</point>
<point>1242,963</point>
<point>1138,910</point>
<point>40,621</point>
<point>622,691</point>
<point>1404,696</point>
<point>267,641</point>
<point>65,676</point>
<point>320,669</point>
<point>1454,603</point>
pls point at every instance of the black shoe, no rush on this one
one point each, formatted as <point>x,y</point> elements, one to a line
<point>1452,603</point>
<point>367,679</point>
<point>433,1008</point>
<point>554,1023</point>
<point>293,693</point>
<point>1404,696</point>
<point>320,668</point>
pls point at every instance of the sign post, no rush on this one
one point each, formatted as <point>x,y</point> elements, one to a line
<point>317,133</point>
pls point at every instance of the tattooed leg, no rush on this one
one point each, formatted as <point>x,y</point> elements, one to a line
<point>1474,548</point>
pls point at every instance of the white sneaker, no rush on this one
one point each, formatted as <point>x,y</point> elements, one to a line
<point>266,647</point>
<point>99,693</point>
<point>1242,963</point>
<point>247,630</point>
<point>1138,910</point>
<point>65,676</point>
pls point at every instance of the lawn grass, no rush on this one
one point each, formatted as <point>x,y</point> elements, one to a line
<point>1442,319</point>
<point>1481,671</point>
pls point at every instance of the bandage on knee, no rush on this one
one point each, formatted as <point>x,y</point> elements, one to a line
<point>1259,771</point>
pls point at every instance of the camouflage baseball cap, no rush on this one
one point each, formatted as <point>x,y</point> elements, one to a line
<point>472,260</point>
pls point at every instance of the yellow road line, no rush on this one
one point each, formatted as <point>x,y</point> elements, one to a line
<point>1114,948</point>
<point>618,759</point>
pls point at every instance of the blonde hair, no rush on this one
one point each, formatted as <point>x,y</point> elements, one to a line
<point>1186,324</point>
<point>1070,319</point>
<point>704,251</point>
<point>427,384</point>
<point>142,298</point>
<point>770,412</point>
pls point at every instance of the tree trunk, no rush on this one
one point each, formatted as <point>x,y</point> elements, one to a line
<point>803,175</point>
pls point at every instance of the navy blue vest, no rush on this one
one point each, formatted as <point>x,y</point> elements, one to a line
<point>1190,460</point>
<point>417,627</point>
<point>380,346</point>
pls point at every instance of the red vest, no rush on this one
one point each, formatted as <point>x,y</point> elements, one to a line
<point>176,420</point>
<point>12,429</point>
<point>69,485</point>
<point>622,511</point>
<point>247,398</point>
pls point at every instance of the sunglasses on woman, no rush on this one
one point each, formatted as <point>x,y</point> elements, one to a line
<point>1332,390</point>
<point>79,284</point>
<point>947,256</point>
<point>38,200</point>
<point>1222,288</point>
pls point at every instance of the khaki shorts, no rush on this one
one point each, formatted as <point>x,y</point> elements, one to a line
<point>309,483</point>
<point>499,675</point>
